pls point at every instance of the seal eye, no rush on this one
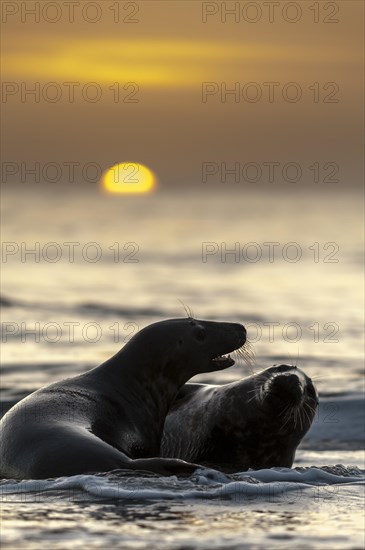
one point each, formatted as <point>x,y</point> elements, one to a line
<point>199,333</point>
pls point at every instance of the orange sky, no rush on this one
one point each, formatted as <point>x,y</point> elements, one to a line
<point>158,64</point>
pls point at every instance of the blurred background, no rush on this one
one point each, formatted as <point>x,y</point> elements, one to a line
<point>249,118</point>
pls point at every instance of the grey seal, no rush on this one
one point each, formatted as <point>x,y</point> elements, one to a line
<point>112,416</point>
<point>257,422</point>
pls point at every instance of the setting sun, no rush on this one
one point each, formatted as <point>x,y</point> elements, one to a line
<point>129,177</point>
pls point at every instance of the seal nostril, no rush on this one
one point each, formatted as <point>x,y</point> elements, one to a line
<point>287,380</point>
<point>292,379</point>
<point>287,386</point>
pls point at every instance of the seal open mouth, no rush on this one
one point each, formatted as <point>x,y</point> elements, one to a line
<point>223,361</point>
<point>227,338</point>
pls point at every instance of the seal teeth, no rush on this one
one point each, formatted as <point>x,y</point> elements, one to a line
<point>220,357</point>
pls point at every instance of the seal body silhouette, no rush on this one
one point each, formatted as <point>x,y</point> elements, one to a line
<point>112,416</point>
<point>257,422</point>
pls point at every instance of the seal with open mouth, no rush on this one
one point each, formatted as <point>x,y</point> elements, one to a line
<point>113,415</point>
<point>257,422</point>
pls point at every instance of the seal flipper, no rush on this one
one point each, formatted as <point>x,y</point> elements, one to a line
<point>71,450</point>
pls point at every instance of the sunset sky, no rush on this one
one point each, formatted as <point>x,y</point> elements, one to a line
<point>149,69</point>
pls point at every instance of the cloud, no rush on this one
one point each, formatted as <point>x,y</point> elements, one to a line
<point>152,63</point>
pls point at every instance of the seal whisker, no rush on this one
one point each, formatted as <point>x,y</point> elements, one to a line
<point>306,414</point>
<point>245,357</point>
<point>260,378</point>
<point>255,392</point>
<point>296,362</point>
<point>299,418</point>
<point>258,387</point>
<point>247,346</point>
<point>286,420</point>
<point>302,419</point>
<point>251,398</point>
<point>312,411</point>
<point>311,408</point>
<point>187,309</point>
<point>285,409</point>
<point>289,413</point>
<point>247,354</point>
<point>295,419</point>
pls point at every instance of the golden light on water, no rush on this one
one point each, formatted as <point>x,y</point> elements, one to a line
<point>129,177</point>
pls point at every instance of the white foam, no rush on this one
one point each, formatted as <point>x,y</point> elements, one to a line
<point>206,484</point>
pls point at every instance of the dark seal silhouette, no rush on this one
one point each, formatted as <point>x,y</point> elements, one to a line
<point>112,416</point>
<point>257,422</point>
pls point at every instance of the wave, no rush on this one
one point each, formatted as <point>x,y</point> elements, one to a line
<point>129,312</point>
<point>205,484</point>
<point>85,308</point>
<point>6,302</point>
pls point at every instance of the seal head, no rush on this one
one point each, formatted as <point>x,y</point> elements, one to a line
<point>257,422</point>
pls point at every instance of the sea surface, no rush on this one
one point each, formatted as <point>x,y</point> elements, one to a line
<point>82,271</point>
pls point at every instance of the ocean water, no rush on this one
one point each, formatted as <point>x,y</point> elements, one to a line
<point>83,271</point>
